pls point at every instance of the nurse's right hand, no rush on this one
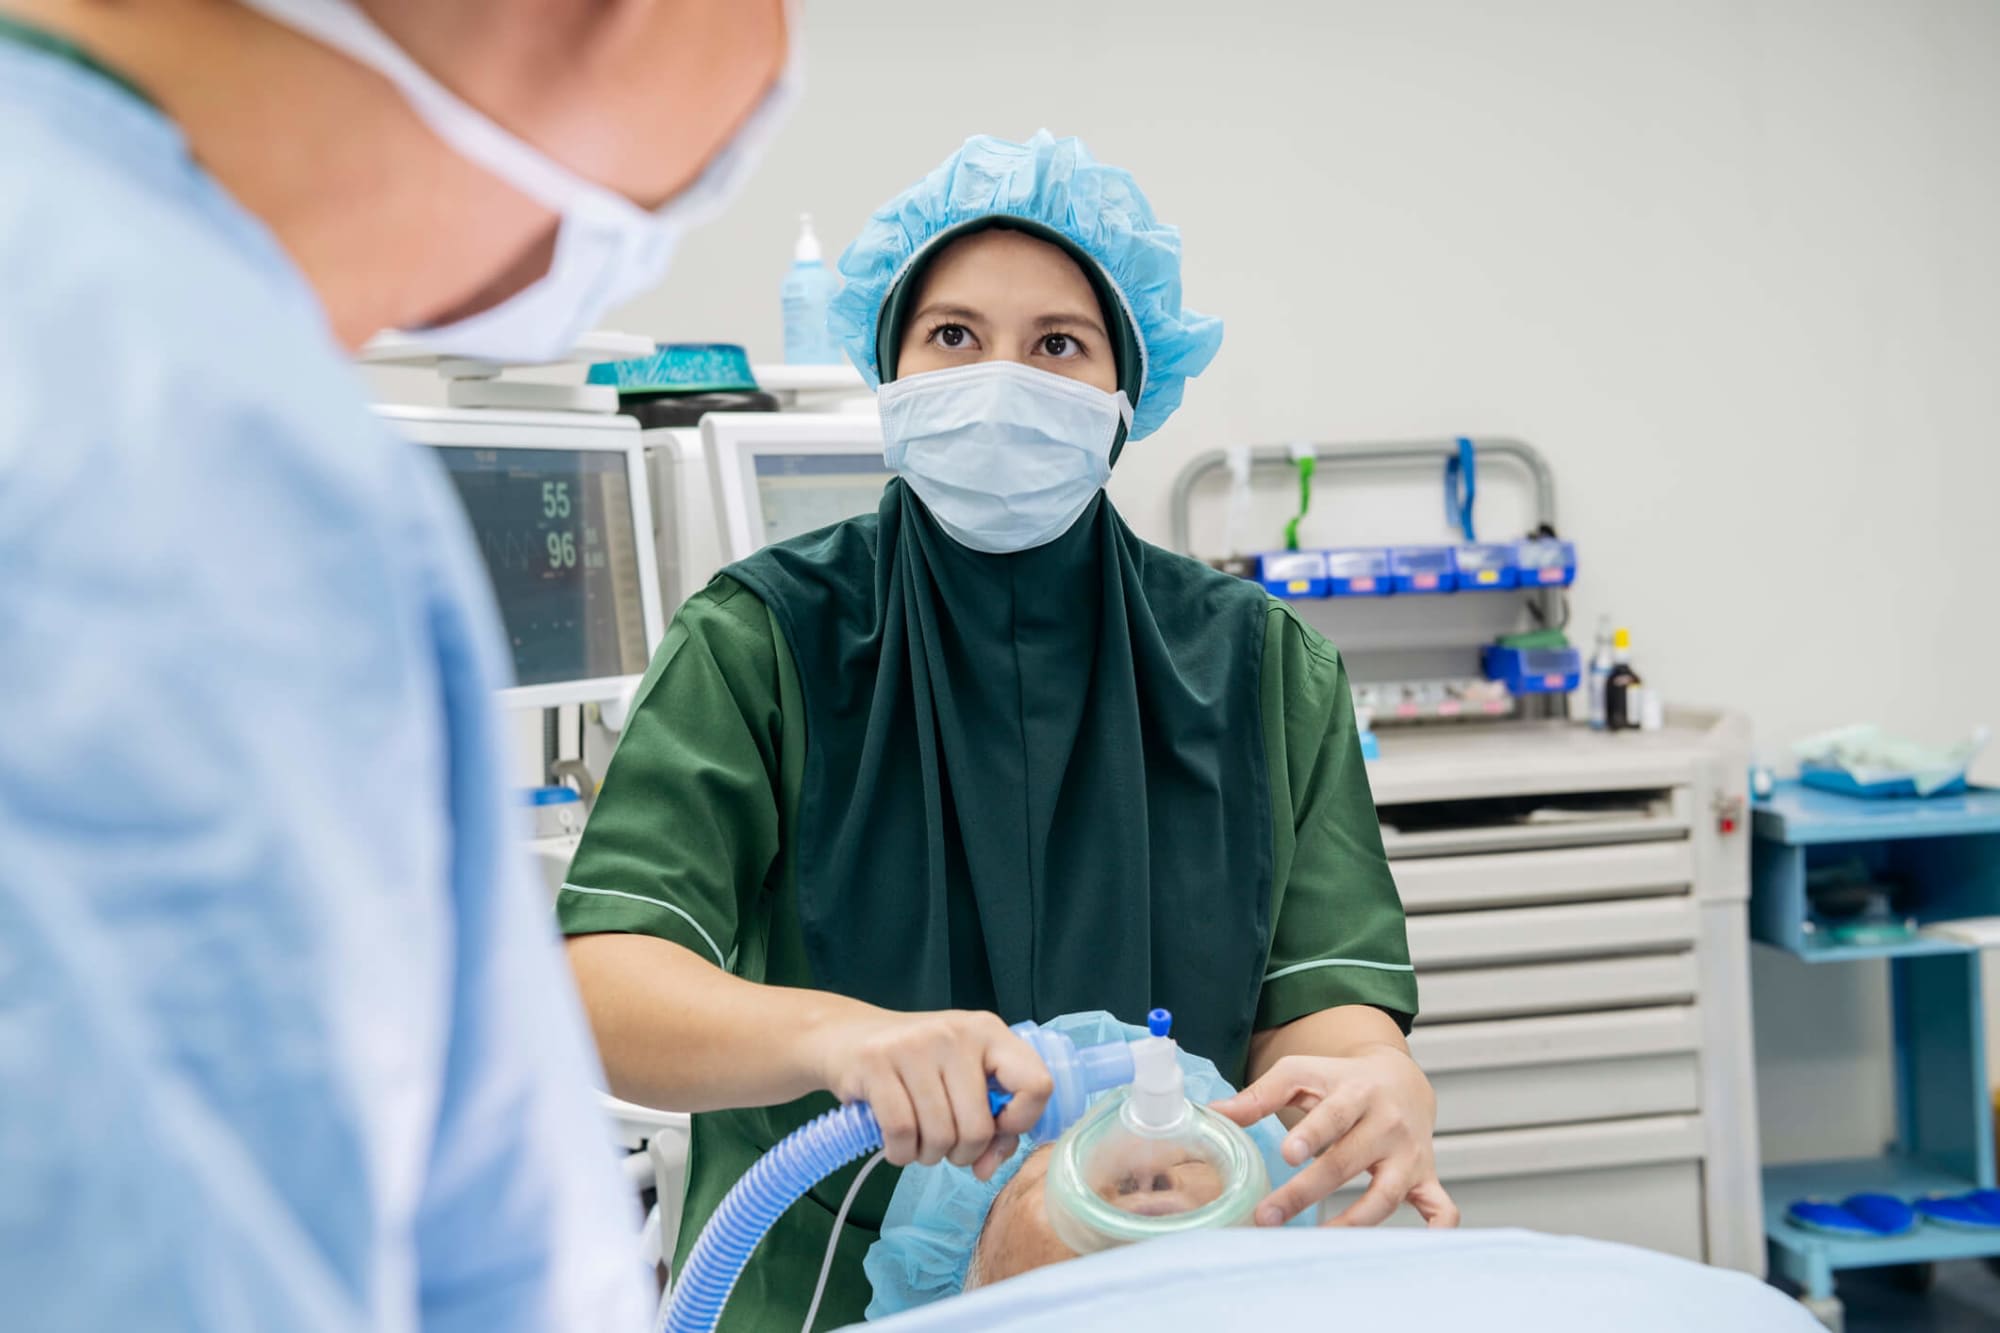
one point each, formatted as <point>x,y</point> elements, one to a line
<point>924,1075</point>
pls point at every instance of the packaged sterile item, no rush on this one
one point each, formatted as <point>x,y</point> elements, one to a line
<point>1864,760</point>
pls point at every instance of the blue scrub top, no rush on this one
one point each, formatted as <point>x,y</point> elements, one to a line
<point>285,1037</point>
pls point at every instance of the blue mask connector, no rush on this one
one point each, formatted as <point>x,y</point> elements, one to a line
<point>1078,1074</point>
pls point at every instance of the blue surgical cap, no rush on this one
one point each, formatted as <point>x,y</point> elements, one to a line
<point>1057,184</point>
<point>936,1213</point>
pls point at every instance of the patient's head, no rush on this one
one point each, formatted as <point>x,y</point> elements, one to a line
<point>947,1231</point>
<point>1147,1180</point>
<point>1017,1236</point>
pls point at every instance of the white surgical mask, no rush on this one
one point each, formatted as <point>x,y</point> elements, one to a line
<point>607,248</point>
<point>1005,457</point>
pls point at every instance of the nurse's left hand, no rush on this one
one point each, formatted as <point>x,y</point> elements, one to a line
<point>1373,1112</point>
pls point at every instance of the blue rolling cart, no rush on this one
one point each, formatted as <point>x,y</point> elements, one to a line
<point>1945,853</point>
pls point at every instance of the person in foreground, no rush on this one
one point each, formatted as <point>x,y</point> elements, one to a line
<point>284,1041</point>
<point>960,1253</point>
<point>985,756</point>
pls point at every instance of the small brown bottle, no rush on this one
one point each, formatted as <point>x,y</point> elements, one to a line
<point>1622,700</point>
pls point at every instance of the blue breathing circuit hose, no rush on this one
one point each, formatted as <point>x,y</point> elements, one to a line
<point>778,1180</point>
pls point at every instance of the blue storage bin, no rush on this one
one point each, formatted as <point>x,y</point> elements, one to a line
<point>1293,573</point>
<point>1486,566</point>
<point>1546,562</point>
<point>1359,572</point>
<point>1533,670</point>
<point>1423,569</point>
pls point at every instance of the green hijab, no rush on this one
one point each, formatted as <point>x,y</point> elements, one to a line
<point>1034,783</point>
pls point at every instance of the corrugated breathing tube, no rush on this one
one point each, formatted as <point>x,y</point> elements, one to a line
<point>779,1179</point>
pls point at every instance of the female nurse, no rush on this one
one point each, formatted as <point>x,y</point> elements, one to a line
<point>985,756</point>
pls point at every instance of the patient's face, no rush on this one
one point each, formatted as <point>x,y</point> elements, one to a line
<point>1154,1179</point>
<point>1150,1180</point>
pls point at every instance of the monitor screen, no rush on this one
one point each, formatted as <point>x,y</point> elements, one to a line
<point>555,527</point>
<point>797,493</point>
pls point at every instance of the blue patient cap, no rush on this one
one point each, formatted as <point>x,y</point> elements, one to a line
<point>936,1212</point>
<point>1055,184</point>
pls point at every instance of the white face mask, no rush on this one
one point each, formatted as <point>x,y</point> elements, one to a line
<point>607,248</point>
<point>1005,457</point>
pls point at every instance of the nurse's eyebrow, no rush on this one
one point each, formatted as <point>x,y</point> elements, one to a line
<point>1071,321</point>
<point>963,313</point>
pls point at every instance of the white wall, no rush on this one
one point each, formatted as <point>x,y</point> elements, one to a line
<point>1733,264</point>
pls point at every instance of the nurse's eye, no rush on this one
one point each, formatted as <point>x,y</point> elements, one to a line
<point>1061,346</point>
<point>1162,1183</point>
<point>1128,1184</point>
<point>952,337</point>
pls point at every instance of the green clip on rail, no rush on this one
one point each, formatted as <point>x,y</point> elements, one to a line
<point>1304,459</point>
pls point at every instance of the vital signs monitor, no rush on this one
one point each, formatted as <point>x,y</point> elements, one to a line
<point>559,506</point>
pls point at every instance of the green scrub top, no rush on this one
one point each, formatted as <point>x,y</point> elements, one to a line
<point>693,841</point>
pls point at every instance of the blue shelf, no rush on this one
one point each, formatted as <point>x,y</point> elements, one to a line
<point>1800,816</point>
<point>1920,947</point>
<point>1940,859</point>
<point>1886,1175</point>
<point>1942,855</point>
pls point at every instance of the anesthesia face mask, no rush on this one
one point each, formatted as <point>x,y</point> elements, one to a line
<point>1147,1162</point>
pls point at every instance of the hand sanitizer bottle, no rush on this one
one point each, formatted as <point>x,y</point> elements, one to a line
<point>809,287</point>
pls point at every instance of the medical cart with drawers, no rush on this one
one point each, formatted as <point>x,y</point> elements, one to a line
<point>1577,900</point>
<point>1576,908</point>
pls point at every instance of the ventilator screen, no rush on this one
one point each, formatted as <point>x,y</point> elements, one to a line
<point>798,493</point>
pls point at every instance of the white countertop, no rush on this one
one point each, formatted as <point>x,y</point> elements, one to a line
<point>1459,761</point>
